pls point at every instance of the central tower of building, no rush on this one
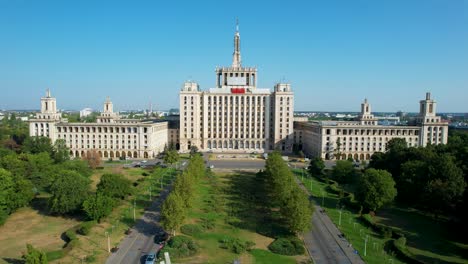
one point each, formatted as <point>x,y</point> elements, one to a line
<point>235,115</point>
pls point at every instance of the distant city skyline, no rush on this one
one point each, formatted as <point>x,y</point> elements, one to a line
<point>334,54</point>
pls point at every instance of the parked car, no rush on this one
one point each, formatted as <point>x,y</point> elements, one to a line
<point>150,258</point>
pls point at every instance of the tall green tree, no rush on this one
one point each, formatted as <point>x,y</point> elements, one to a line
<point>316,166</point>
<point>173,212</point>
<point>171,157</point>
<point>36,145</point>
<point>344,171</point>
<point>445,185</point>
<point>183,185</point>
<point>69,190</point>
<point>298,212</point>
<point>60,152</point>
<point>98,206</point>
<point>114,185</point>
<point>375,189</point>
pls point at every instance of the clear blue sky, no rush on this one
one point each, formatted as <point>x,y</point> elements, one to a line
<point>334,53</point>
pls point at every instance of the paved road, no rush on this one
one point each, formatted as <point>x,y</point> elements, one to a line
<point>134,248</point>
<point>237,164</point>
<point>323,242</point>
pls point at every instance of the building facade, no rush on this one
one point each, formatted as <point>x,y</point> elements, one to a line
<point>110,136</point>
<point>236,115</point>
<point>361,138</point>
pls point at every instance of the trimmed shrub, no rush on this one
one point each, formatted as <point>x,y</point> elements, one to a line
<point>401,252</point>
<point>207,223</point>
<point>85,227</point>
<point>289,246</point>
<point>191,229</point>
<point>236,245</point>
<point>181,246</point>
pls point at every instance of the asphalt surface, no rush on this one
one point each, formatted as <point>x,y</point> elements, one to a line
<point>135,246</point>
<point>237,164</point>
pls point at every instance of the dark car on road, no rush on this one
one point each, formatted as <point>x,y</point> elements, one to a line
<point>150,258</point>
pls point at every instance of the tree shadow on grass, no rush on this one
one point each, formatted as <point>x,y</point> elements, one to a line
<point>13,261</point>
<point>40,204</point>
<point>245,207</point>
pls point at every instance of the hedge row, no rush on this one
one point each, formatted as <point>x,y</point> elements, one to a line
<point>398,242</point>
<point>402,252</point>
<point>71,241</point>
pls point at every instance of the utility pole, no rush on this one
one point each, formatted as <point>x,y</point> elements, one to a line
<point>365,245</point>
<point>339,220</point>
<point>108,241</point>
<point>134,208</point>
<point>322,198</point>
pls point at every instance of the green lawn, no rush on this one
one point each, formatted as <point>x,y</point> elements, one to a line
<point>426,237</point>
<point>233,210</point>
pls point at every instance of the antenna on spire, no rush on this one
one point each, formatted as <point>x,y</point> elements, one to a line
<point>237,24</point>
<point>48,92</point>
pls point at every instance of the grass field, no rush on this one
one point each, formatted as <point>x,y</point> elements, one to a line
<point>235,217</point>
<point>425,237</point>
<point>29,226</point>
<point>34,226</point>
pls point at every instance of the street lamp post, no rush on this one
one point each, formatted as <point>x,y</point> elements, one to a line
<point>322,198</point>
<point>134,209</point>
<point>365,245</point>
<point>339,220</point>
<point>108,241</point>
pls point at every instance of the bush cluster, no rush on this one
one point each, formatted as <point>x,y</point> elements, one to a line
<point>236,245</point>
<point>191,229</point>
<point>289,246</point>
<point>181,246</point>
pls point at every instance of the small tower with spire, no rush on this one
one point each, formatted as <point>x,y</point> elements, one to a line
<point>366,117</point>
<point>48,108</point>
<point>107,115</point>
<point>236,56</point>
<point>236,78</point>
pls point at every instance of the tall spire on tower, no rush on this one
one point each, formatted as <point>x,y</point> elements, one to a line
<point>236,56</point>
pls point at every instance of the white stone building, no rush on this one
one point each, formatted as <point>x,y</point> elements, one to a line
<point>110,136</point>
<point>85,112</point>
<point>236,115</point>
<point>362,138</point>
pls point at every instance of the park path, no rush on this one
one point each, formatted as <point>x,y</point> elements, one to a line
<point>323,242</point>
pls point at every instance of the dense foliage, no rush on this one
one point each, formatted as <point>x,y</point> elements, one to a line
<point>181,246</point>
<point>176,205</point>
<point>375,189</point>
<point>282,191</point>
<point>114,185</point>
<point>69,191</point>
<point>432,178</point>
<point>289,246</point>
